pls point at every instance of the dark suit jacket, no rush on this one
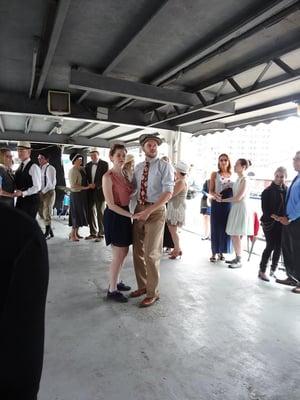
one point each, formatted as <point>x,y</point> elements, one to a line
<point>102,167</point>
<point>23,290</point>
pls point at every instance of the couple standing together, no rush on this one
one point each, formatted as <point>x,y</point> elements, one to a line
<point>153,183</point>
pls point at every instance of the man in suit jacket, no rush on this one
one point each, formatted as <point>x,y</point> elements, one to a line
<point>95,169</point>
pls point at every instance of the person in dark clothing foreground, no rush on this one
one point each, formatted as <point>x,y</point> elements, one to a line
<point>23,291</point>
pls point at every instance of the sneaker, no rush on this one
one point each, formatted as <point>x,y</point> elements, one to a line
<point>116,296</point>
<point>122,287</point>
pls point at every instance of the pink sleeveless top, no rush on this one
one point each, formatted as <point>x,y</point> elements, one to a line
<point>121,188</point>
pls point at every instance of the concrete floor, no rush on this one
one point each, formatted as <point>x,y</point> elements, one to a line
<point>216,333</point>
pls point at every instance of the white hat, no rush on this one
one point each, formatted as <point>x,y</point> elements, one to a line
<point>23,145</point>
<point>93,150</point>
<point>181,166</point>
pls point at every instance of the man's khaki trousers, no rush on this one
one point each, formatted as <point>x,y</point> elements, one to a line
<point>47,201</point>
<point>147,249</point>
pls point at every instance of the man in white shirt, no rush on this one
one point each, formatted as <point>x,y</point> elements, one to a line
<point>47,193</point>
<point>154,182</point>
<point>28,181</point>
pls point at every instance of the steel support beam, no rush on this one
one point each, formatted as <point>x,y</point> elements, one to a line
<point>282,65</point>
<point>269,84</point>
<point>125,134</point>
<point>61,14</point>
<point>85,127</point>
<point>243,28</point>
<point>39,137</point>
<point>98,83</point>
<point>2,128</point>
<point>269,15</point>
<point>105,130</point>
<point>28,125</point>
<point>140,29</point>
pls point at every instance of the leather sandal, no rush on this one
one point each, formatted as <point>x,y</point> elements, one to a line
<point>138,292</point>
<point>213,259</point>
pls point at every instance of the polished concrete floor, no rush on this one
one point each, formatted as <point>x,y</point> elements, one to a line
<point>216,333</point>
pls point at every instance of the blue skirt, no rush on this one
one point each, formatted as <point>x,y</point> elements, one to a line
<point>220,241</point>
<point>117,228</point>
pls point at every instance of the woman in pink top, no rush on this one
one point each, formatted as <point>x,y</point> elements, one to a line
<point>117,220</point>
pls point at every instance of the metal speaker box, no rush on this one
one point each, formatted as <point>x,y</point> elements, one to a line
<point>59,103</point>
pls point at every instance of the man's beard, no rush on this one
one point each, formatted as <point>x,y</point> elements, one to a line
<point>151,155</point>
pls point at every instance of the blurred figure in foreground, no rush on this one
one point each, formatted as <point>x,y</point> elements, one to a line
<point>23,291</point>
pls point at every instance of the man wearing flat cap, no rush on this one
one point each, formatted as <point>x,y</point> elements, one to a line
<point>154,182</point>
<point>95,169</point>
<point>28,181</point>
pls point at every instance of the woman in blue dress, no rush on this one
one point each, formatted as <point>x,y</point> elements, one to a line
<point>220,185</point>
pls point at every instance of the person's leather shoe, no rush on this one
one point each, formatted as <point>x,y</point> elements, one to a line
<point>288,281</point>
<point>138,292</point>
<point>90,237</point>
<point>148,301</point>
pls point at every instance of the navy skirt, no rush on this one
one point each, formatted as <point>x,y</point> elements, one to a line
<point>220,241</point>
<point>117,228</point>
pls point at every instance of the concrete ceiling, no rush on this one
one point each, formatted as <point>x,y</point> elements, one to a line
<point>153,65</point>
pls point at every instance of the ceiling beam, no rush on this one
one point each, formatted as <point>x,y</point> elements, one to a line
<point>85,127</point>
<point>261,86</point>
<point>141,28</point>
<point>2,128</point>
<point>98,83</point>
<point>40,137</point>
<point>243,29</point>
<point>107,129</point>
<point>62,10</point>
<point>125,134</point>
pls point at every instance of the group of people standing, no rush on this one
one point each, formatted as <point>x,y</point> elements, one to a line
<point>32,185</point>
<point>231,218</point>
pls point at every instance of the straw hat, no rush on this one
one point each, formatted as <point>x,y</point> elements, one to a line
<point>151,136</point>
<point>183,167</point>
<point>23,145</point>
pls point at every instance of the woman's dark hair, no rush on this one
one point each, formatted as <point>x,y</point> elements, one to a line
<point>228,165</point>
<point>245,163</point>
<point>75,156</point>
<point>182,173</point>
<point>115,147</point>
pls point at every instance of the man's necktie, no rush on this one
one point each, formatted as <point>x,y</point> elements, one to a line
<point>22,166</point>
<point>144,183</point>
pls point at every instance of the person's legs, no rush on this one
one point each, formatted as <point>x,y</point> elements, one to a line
<point>277,247</point>
<point>138,251</point>
<point>118,256</point>
<point>267,251</point>
<point>153,241</point>
<point>175,238</point>
<point>206,225</point>
<point>100,205</point>
<point>237,245</point>
<point>91,214</point>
